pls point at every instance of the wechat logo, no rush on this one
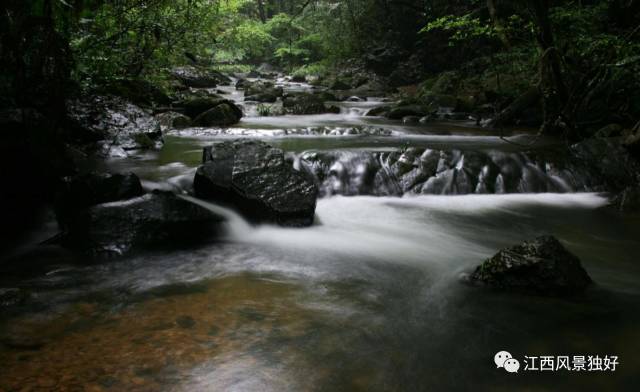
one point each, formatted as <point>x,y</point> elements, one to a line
<point>503,359</point>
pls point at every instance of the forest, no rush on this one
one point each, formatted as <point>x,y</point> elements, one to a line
<point>366,195</point>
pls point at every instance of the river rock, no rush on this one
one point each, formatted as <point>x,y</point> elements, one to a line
<point>256,179</point>
<point>542,266</point>
<point>96,188</point>
<point>158,219</point>
<point>379,111</point>
<point>196,77</point>
<point>195,106</point>
<point>307,103</point>
<point>262,91</point>
<point>223,114</point>
<point>299,79</point>
<point>82,191</point>
<point>610,165</point>
<point>398,112</point>
<point>242,83</point>
<point>114,121</point>
<point>628,200</point>
<point>262,97</point>
<point>339,85</point>
<point>173,120</point>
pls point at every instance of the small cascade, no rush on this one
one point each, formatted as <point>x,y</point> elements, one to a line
<point>237,226</point>
<point>439,172</point>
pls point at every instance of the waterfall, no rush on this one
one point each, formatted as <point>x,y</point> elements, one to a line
<point>439,172</point>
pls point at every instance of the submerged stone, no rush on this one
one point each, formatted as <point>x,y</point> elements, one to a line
<point>256,178</point>
<point>542,266</point>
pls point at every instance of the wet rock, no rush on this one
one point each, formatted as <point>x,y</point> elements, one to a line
<point>628,200</point>
<point>90,189</point>
<point>117,122</point>
<point>198,77</point>
<point>195,106</point>
<point>173,120</point>
<point>255,178</point>
<point>326,96</point>
<point>224,114</point>
<point>262,97</point>
<point>610,165</point>
<point>262,91</point>
<point>399,112</point>
<point>339,85</point>
<point>159,219</point>
<point>411,120</point>
<point>241,84</point>
<point>542,266</point>
<point>379,111</point>
<point>456,116</point>
<point>306,103</point>
<point>182,97</point>
<point>299,79</point>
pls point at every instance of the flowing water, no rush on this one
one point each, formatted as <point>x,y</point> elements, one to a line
<point>367,299</point>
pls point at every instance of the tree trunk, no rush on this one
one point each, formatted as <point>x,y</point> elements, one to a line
<point>261,11</point>
<point>554,90</point>
<point>493,13</point>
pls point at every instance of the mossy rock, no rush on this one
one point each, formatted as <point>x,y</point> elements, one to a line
<point>193,107</point>
<point>223,114</point>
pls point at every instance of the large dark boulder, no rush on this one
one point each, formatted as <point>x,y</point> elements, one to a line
<point>542,266</point>
<point>379,111</point>
<point>306,103</point>
<point>192,76</point>
<point>113,120</point>
<point>155,220</point>
<point>195,106</point>
<point>262,97</point>
<point>262,91</point>
<point>85,190</point>
<point>398,112</point>
<point>627,201</point>
<point>224,113</point>
<point>299,78</point>
<point>255,178</point>
<point>611,167</point>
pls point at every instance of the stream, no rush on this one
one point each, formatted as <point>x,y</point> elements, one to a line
<point>367,299</point>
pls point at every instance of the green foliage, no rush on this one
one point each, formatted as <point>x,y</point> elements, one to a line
<point>119,39</point>
<point>319,69</point>
<point>462,27</point>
